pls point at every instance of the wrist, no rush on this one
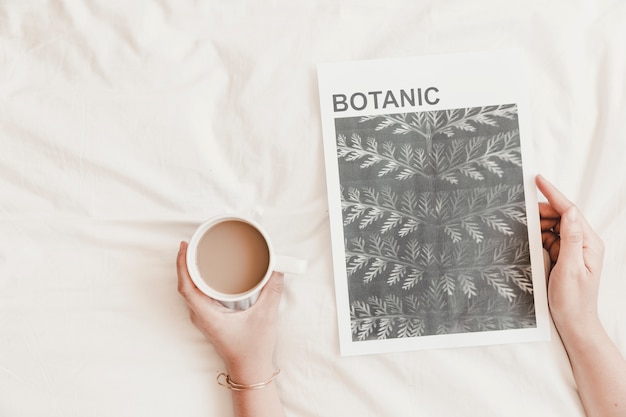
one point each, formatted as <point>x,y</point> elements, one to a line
<point>244,372</point>
<point>580,331</point>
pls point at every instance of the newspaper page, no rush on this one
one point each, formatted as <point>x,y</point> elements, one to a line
<point>432,203</point>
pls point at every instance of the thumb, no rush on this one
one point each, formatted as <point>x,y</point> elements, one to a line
<point>272,292</point>
<point>571,252</point>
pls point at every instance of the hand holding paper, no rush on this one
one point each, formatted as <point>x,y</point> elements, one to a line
<point>577,253</point>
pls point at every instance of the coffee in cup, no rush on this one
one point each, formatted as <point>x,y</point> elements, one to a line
<point>230,258</point>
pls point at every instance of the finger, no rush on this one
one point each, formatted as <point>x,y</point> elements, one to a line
<point>186,287</point>
<point>272,292</point>
<point>548,224</point>
<point>547,211</point>
<point>557,200</point>
<point>554,250</point>
<point>551,244</point>
<point>548,239</point>
<point>571,242</point>
<point>560,204</point>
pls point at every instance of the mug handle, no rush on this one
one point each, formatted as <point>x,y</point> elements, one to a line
<point>289,265</point>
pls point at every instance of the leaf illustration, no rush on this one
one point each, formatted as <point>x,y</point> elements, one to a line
<point>427,124</point>
<point>367,206</point>
<point>394,317</point>
<point>435,222</point>
<point>404,164</point>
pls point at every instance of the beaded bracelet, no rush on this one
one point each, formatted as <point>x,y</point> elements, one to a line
<point>225,381</point>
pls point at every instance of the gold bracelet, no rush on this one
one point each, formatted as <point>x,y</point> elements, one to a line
<point>225,381</point>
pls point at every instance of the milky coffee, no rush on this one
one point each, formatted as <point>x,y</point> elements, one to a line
<point>232,257</point>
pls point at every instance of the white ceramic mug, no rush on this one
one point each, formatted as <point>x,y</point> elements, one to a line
<point>243,299</point>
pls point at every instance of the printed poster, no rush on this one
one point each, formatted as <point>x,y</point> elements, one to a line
<point>432,204</point>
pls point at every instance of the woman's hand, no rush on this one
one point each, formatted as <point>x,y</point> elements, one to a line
<point>576,252</point>
<point>244,339</point>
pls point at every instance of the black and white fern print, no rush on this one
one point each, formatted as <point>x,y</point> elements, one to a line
<point>435,223</point>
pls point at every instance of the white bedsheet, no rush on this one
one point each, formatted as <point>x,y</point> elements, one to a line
<point>124,124</point>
